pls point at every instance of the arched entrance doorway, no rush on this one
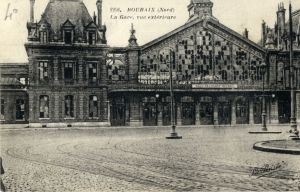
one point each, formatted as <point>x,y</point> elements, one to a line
<point>149,111</point>
<point>188,110</point>
<point>242,111</point>
<point>224,111</point>
<point>206,111</point>
<point>118,111</point>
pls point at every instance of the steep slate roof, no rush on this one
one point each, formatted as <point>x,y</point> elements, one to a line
<point>209,21</point>
<point>296,21</point>
<point>58,11</point>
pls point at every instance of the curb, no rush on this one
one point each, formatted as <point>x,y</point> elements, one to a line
<point>260,147</point>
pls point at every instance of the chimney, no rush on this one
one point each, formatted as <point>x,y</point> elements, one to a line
<point>32,11</point>
<point>95,18</point>
<point>246,33</point>
<point>99,8</point>
<point>263,33</point>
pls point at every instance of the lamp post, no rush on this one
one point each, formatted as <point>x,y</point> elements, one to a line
<point>264,114</point>
<point>157,111</point>
<point>294,131</point>
<point>173,134</point>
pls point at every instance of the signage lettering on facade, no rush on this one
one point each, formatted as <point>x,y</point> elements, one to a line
<point>214,86</point>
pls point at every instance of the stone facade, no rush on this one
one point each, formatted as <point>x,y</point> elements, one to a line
<point>219,76</point>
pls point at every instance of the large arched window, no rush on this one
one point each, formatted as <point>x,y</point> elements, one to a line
<point>44,106</point>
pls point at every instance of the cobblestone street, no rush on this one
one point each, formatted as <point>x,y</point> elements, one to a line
<point>206,159</point>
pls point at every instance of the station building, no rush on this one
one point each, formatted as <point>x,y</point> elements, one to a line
<point>75,78</point>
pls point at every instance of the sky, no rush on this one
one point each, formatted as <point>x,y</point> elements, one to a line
<point>235,14</point>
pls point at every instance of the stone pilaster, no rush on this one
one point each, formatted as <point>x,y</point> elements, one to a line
<point>127,112</point>
<point>298,106</point>
<point>80,70</point>
<point>133,66</point>
<point>80,107</point>
<point>159,118</point>
<point>216,114</point>
<point>55,69</point>
<point>136,112</point>
<point>251,112</point>
<point>179,117</point>
<point>57,102</point>
<point>198,114</point>
<point>105,106</point>
<point>31,107</point>
<point>274,111</point>
<point>103,71</point>
<point>233,113</point>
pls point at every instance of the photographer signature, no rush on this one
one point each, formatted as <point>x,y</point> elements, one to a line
<point>267,169</point>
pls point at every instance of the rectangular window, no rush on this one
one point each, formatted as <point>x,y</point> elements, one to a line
<point>68,37</point>
<point>69,106</point>
<point>44,106</point>
<point>43,70</point>
<point>2,115</point>
<point>92,72</point>
<point>93,106</point>
<point>68,71</point>
<point>20,109</point>
<point>92,38</point>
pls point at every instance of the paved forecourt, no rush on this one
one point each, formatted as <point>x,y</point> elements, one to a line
<point>206,159</point>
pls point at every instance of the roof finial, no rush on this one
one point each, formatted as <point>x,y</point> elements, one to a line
<point>132,40</point>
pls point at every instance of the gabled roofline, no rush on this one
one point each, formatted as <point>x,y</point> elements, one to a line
<point>169,34</point>
<point>196,21</point>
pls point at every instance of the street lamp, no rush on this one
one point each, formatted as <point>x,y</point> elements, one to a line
<point>157,111</point>
<point>263,67</point>
<point>293,122</point>
<point>173,134</point>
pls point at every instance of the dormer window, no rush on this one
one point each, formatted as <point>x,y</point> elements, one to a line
<point>43,37</point>
<point>68,37</point>
<point>68,32</point>
<point>91,38</point>
<point>91,33</point>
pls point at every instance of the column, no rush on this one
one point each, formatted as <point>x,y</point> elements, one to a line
<point>136,112</point>
<point>56,106</point>
<point>108,111</point>
<point>251,112</point>
<point>179,120</point>
<point>105,106</point>
<point>274,111</point>
<point>233,113</point>
<point>127,112</point>
<point>159,115</point>
<point>216,115</point>
<point>198,114</point>
<point>297,107</point>
<point>31,107</point>
<point>55,69</point>
<point>80,112</point>
<point>80,70</point>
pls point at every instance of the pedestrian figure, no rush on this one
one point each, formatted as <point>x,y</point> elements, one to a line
<point>2,188</point>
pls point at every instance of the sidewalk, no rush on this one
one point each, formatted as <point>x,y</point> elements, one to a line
<point>271,127</point>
